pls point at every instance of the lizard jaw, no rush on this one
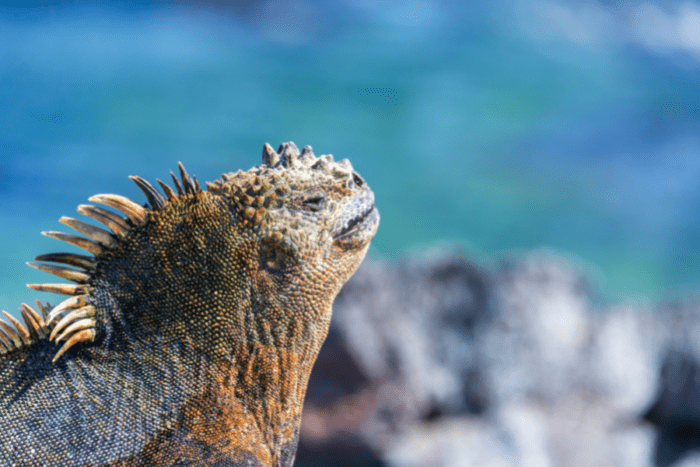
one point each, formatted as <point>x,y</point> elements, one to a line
<point>356,230</point>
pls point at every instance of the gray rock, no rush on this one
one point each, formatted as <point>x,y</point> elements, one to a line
<point>676,410</point>
<point>412,324</point>
<point>434,361</point>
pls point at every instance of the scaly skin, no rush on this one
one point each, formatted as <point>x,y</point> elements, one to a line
<point>197,322</point>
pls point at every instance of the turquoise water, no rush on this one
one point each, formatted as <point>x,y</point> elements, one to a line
<point>504,128</point>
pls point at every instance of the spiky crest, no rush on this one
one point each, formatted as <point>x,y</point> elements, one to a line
<point>73,320</point>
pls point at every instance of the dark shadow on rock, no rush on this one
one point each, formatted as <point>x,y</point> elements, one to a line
<point>344,450</point>
<point>335,373</point>
<point>676,410</point>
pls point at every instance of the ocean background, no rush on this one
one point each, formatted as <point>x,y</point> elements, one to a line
<point>502,126</point>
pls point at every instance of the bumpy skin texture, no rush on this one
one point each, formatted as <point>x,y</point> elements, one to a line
<point>208,316</point>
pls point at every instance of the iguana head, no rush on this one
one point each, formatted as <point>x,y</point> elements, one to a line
<point>310,219</point>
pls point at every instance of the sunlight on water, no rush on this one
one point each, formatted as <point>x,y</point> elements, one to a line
<point>504,129</point>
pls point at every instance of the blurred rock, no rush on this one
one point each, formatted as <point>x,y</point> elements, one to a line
<point>676,410</point>
<point>454,441</point>
<point>541,331</point>
<point>548,400</point>
<point>338,403</point>
<point>434,361</point>
<point>411,325</point>
<point>400,353</point>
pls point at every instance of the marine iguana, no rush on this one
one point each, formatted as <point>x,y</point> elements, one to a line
<point>189,334</point>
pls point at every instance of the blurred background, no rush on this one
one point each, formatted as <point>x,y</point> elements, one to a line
<point>549,148</point>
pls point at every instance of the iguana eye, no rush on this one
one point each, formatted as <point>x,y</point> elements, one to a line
<point>314,203</point>
<point>359,181</point>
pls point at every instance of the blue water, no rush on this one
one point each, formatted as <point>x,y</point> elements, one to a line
<point>503,126</point>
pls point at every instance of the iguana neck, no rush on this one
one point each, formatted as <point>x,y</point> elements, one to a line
<point>247,358</point>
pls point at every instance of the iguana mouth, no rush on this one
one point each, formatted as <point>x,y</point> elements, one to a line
<point>356,222</point>
<point>359,222</point>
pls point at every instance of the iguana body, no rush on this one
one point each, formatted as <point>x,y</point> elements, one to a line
<point>191,334</point>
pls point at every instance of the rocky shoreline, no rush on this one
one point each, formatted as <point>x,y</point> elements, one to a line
<point>433,360</point>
